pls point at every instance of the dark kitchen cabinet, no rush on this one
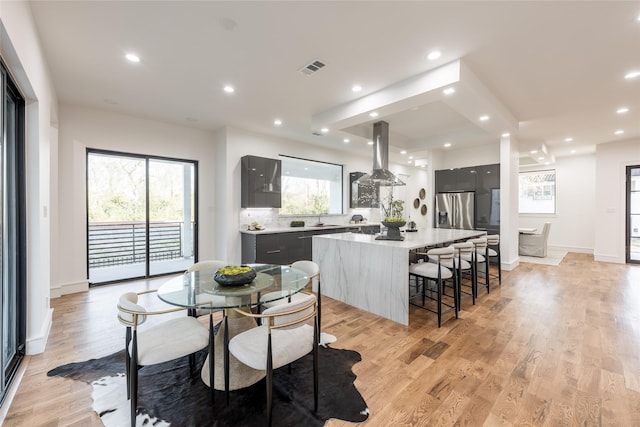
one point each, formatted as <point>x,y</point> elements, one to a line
<point>459,179</point>
<point>287,247</point>
<point>488,198</point>
<point>260,182</point>
<point>484,181</point>
<point>276,248</point>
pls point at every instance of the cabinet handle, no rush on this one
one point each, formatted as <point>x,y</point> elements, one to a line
<point>274,252</point>
<point>305,237</point>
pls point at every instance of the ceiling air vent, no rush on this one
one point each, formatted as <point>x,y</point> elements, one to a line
<point>313,67</point>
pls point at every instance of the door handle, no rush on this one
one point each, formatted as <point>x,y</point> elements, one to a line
<point>274,251</point>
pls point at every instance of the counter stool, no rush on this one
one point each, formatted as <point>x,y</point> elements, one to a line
<point>464,260</point>
<point>437,273</point>
<point>493,251</point>
<point>480,256</point>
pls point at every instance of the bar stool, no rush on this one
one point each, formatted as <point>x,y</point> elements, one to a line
<point>493,251</point>
<point>480,256</point>
<point>437,273</point>
<point>464,260</point>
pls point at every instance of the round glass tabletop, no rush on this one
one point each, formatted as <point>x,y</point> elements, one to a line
<point>199,290</point>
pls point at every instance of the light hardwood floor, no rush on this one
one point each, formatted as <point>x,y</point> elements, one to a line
<point>554,346</point>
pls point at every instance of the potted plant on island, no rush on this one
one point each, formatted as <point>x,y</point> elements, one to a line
<point>393,219</point>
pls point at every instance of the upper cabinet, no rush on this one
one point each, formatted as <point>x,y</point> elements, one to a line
<point>362,196</point>
<point>260,182</point>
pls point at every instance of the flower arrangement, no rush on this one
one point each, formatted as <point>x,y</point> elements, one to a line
<point>393,209</point>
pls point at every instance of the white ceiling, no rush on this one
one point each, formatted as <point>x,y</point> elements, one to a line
<point>544,70</point>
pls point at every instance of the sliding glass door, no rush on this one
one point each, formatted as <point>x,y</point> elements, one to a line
<point>633,214</point>
<point>12,231</point>
<point>141,216</point>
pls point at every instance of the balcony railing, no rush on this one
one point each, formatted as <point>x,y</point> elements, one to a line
<point>123,243</point>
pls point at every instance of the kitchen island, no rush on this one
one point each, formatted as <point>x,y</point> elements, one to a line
<point>373,274</point>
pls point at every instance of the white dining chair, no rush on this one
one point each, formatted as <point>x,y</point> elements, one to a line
<point>282,338</point>
<point>159,343</point>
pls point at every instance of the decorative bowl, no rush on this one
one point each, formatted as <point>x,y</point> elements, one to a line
<point>394,224</point>
<point>235,279</point>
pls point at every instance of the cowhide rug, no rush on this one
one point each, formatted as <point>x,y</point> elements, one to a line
<point>168,395</point>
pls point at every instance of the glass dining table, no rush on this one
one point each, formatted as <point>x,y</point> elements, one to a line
<point>198,291</point>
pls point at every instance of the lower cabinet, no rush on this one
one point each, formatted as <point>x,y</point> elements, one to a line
<point>277,248</point>
<point>285,248</point>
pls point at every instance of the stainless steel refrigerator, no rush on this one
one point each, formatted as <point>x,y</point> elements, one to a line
<point>455,210</point>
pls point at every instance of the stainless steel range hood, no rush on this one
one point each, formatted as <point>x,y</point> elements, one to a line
<point>380,174</point>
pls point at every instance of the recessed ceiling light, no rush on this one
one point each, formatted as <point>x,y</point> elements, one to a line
<point>132,57</point>
<point>533,151</point>
<point>447,144</point>
<point>622,110</point>
<point>423,166</point>
<point>369,142</point>
<point>277,122</point>
<point>229,89</point>
<point>546,163</point>
<point>569,139</point>
<point>573,151</point>
<point>346,140</point>
<point>619,132</point>
<point>403,152</point>
<point>632,75</point>
<point>324,130</point>
<point>449,91</point>
<point>506,135</point>
<point>483,118</point>
<point>373,114</point>
<point>409,162</point>
<point>432,56</point>
<point>541,158</point>
<point>356,88</point>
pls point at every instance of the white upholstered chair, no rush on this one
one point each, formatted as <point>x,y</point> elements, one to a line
<point>159,343</point>
<point>464,259</point>
<point>437,272</point>
<point>534,244</point>
<point>282,338</point>
<point>312,270</point>
<point>481,262</point>
<point>493,253</point>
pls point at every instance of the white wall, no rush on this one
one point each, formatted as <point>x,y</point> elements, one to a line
<point>82,128</point>
<point>573,224</point>
<point>610,202</point>
<point>21,51</point>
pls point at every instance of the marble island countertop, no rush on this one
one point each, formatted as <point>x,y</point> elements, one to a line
<point>414,240</point>
<point>289,229</point>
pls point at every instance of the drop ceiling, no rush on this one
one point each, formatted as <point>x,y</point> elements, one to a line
<point>547,70</point>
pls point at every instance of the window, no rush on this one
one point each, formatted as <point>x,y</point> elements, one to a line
<point>310,187</point>
<point>537,192</point>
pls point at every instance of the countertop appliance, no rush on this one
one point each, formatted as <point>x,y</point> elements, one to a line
<point>455,210</point>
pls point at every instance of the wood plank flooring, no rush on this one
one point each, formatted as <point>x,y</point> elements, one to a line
<point>553,346</point>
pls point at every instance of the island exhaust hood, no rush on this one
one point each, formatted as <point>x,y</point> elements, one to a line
<point>380,174</point>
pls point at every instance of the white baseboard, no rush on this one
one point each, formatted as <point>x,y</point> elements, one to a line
<point>571,249</point>
<point>11,393</point>
<point>609,258</point>
<point>508,266</point>
<point>70,288</point>
<point>36,344</point>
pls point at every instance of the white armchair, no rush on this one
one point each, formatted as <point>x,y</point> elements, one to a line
<point>534,244</point>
